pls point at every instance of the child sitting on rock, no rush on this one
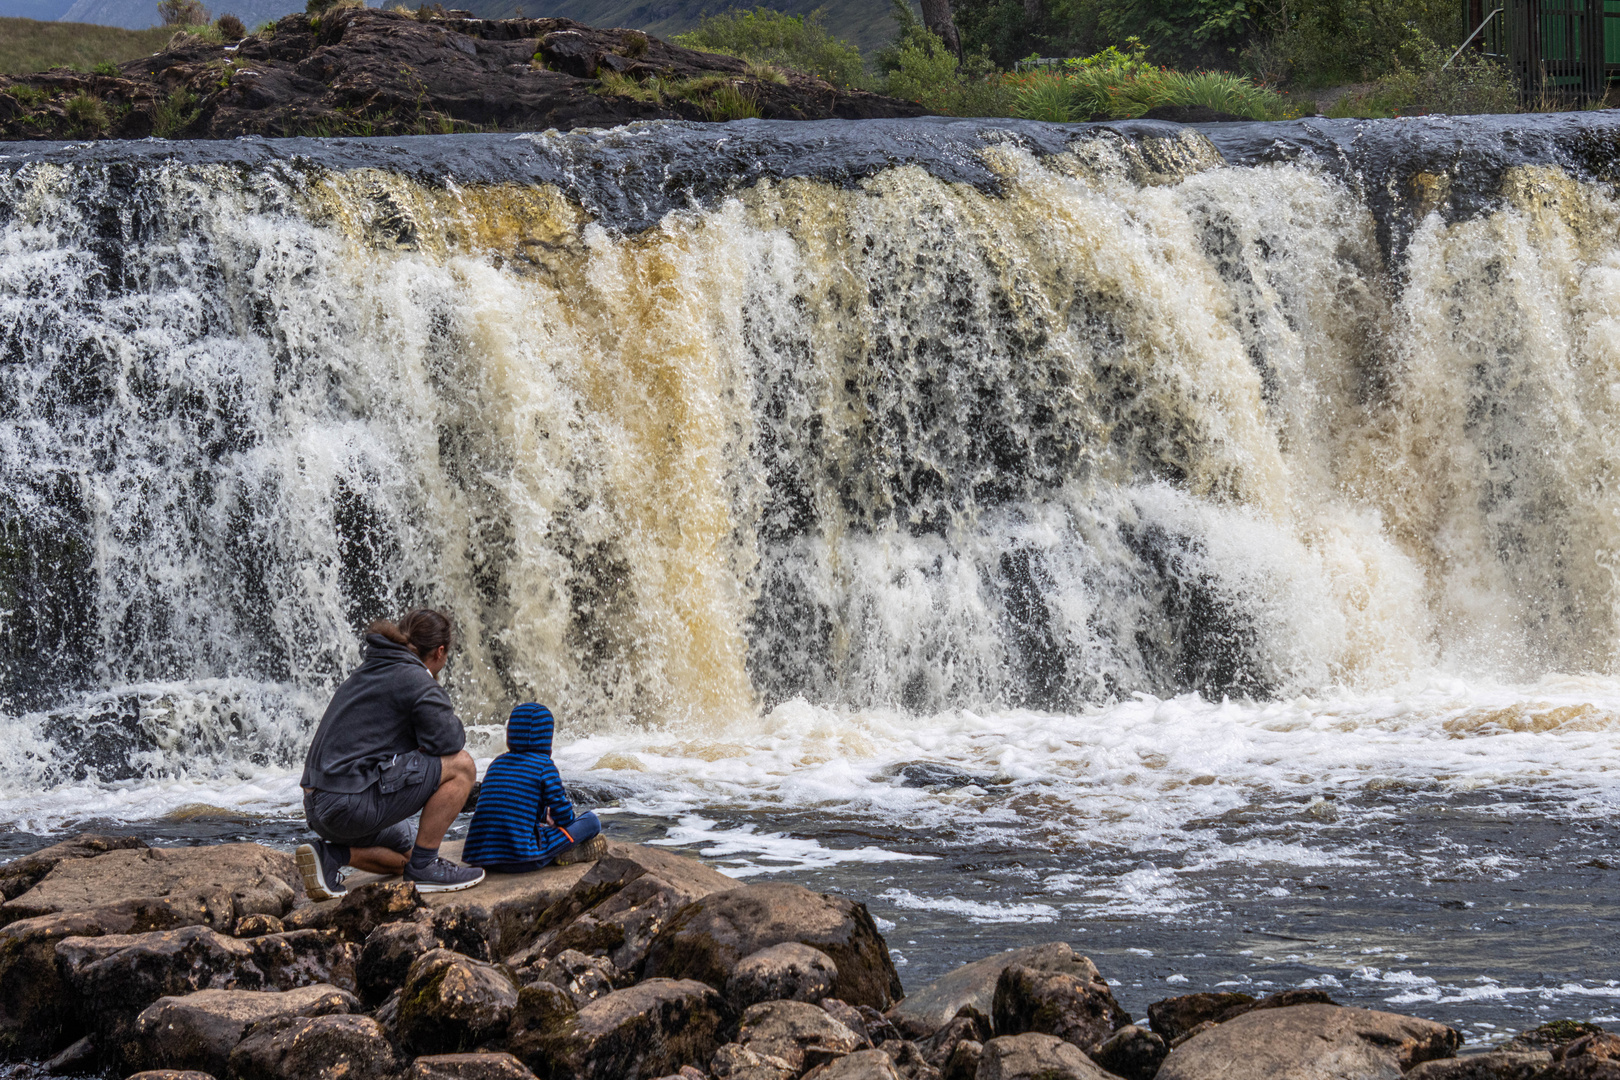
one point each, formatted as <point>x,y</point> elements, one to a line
<point>524,819</point>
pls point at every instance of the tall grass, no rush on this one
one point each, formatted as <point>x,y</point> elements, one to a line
<point>795,42</point>
<point>1121,85</point>
<point>27,45</point>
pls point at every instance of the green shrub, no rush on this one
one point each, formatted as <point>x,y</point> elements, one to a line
<point>27,95</point>
<point>928,73</point>
<point>106,67</point>
<point>1121,85</point>
<point>176,113</point>
<point>230,28</point>
<point>1473,83</point>
<point>86,114</point>
<point>182,13</point>
<point>795,42</point>
<point>732,102</point>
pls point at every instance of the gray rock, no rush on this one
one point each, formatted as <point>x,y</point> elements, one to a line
<point>1132,1053</point>
<point>169,1074</point>
<point>908,1060</point>
<point>648,1030</point>
<point>848,1015</point>
<point>968,1023</point>
<point>861,1065</point>
<point>963,1063</point>
<point>199,1031</point>
<point>257,926</point>
<point>452,1003</point>
<point>801,1034</point>
<point>386,958</point>
<point>706,939</point>
<point>1174,1017</point>
<point>733,1061</point>
<point>1498,1065</point>
<point>1036,1057</point>
<point>786,972</point>
<point>468,1067</point>
<point>584,978</point>
<point>931,1008</point>
<point>1310,1042</point>
<point>1079,1009</point>
<point>318,1048</point>
<point>79,1059</point>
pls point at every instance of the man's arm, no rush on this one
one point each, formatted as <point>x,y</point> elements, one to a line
<point>438,729</point>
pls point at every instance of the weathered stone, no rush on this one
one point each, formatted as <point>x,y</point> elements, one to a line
<point>387,956</point>
<point>124,973</point>
<point>585,978</point>
<point>1132,1052</point>
<point>361,909</point>
<point>931,1008</point>
<point>785,972</point>
<point>468,1067</point>
<point>541,1009</point>
<point>1194,1033</point>
<point>1078,1010</point>
<point>861,1065</point>
<point>878,1027</point>
<point>963,1063</point>
<point>79,1059</point>
<point>1035,1057</point>
<point>733,1061</point>
<point>801,1034</point>
<point>21,874</point>
<point>199,1031</point>
<point>452,1003</point>
<point>1498,1065</point>
<point>848,1015</point>
<point>249,926</point>
<point>706,939</point>
<point>169,1074</point>
<point>211,886</point>
<point>1552,1035</point>
<point>1173,1017</point>
<point>38,1011</point>
<point>1590,1057</point>
<point>316,1048</point>
<point>908,1060</point>
<point>968,1024</point>
<point>1310,1042</point>
<point>648,1030</point>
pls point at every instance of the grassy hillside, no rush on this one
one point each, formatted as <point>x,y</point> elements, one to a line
<point>27,46</point>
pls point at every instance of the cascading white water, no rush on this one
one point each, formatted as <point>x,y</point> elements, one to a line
<point>1131,419</point>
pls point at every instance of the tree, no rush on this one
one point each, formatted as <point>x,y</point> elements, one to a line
<point>937,18</point>
<point>182,12</point>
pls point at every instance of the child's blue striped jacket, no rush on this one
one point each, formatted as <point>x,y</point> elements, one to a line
<point>509,823</point>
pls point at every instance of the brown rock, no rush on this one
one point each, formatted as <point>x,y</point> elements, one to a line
<point>648,1030</point>
<point>706,939</point>
<point>1173,1017</point>
<point>908,1060</point>
<point>249,926</point>
<point>38,1010</point>
<point>1035,1057</point>
<point>21,874</point>
<point>968,1024</point>
<point>169,1074</point>
<point>1498,1065</point>
<point>1310,1042</point>
<point>361,910</point>
<point>786,972</point>
<point>452,1003</point>
<point>1077,1009</point>
<point>963,1063</point>
<point>848,1015</point>
<point>861,1065</point>
<point>212,886</point>
<point>318,1048</point>
<point>387,956</point>
<point>584,978</point>
<point>931,1008</point>
<point>801,1034</point>
<point>733,1061</point>
<point>1132,1052</point>
<point>468,1067</point>
<point>1590,1057</point>
<point>199,1031</point>
<point>537,1020</point>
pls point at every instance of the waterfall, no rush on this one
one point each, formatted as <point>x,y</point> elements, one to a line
<point>684,421</point>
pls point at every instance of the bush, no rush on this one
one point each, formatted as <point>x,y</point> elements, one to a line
<point>86,113</point>
<point>177,112</point>
<point>106,67</point>
<point>182,12</point>
<point>795,42</point>
<point>930,74</point>
<point>732,102</point>
<point>1473,83</point>
<point>230,28</point>
<point>1122,85</point>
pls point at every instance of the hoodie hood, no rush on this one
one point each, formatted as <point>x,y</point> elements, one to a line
<point>529,729</point>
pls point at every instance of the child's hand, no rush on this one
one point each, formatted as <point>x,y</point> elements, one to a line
<point>549,823</point>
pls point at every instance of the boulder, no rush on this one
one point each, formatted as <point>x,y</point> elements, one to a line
<point>648,1030</point>
<point>452,1003</point>
<point>1174,1017</point>
<point>908,1060</point>
<point>1076,1009</point>
<point>468,1067</point>
<point>733,1061</point>
<point>170,1074</point>
<point>199,1031</point>
<point>211,886</point>
<point>361,910</point>
<point>861,1065</point>
<point>1497,1065</point>
<point>786,972</point>
<point>963,1064</point>
<point>79,1059</point>
<point>539,1015</point>
<point>1310,1042</point>
<point>706,939</point>
<point>21,874</point>
<point>1036,1057</point>
<point>386,958</point>
<point>931,1008</point>
<point>1132,1052</point>
<point>801,1034</point>
<point>1590,1057</point>
<point>38,1010</point>
<point>315,1048</point>
<point>968,1024</point>
<point>584,978</point>
<point>257,926</point>
<point>124,973</point>
<point>848,1015</point>
<point>1552,1035</point>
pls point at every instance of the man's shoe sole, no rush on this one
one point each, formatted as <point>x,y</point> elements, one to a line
<point>429,886</point>
<point>309,867</point>
<point>590,851</point>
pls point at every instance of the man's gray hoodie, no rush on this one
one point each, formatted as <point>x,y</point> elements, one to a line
<point>390,705</point>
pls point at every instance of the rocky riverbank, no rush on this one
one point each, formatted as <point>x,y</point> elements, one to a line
<point>364,71</point>
<point>119,958</point>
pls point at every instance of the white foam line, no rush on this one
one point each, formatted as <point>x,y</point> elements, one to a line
<point>975,911</point>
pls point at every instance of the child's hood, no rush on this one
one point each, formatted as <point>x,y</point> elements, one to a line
<point>529,729</point>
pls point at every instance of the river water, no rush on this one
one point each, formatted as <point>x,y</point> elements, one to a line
<point>1197,545</point>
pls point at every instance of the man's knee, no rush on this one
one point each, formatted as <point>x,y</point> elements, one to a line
<point>458,767</point>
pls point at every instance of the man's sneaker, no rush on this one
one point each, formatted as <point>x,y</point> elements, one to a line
<point>321,871</point>
<point>590,851</point>
<point>442,875</point>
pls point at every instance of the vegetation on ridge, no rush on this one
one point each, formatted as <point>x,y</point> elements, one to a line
<point>27,45</point>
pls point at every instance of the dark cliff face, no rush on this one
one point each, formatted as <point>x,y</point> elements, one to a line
<point>362,71</point>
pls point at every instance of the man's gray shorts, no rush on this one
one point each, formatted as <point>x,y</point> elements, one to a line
<point>383,815</point>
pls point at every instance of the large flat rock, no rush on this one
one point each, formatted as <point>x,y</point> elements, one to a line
<point>1310,1042</point>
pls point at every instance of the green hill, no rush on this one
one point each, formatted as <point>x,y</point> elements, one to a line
<point>27,45</point>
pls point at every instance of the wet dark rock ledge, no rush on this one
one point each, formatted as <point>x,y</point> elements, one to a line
<point>364,71</point>
<point>199,963</point>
